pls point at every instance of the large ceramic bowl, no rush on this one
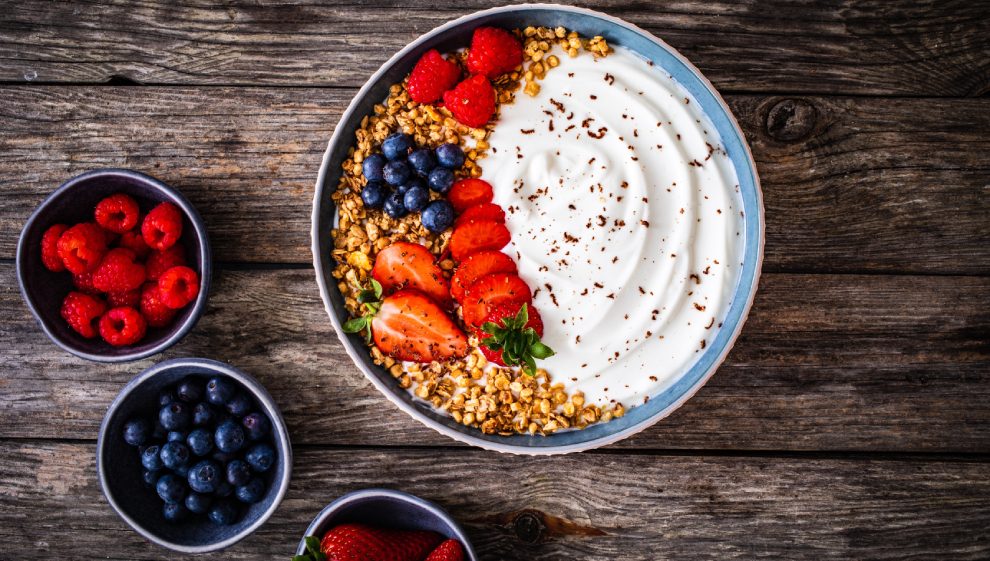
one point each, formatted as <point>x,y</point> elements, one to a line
<point>457,34</point>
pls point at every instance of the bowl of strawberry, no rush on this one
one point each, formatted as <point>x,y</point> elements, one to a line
<point>115,265</point>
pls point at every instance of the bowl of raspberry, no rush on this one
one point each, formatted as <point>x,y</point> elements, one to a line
<point>115,265</point>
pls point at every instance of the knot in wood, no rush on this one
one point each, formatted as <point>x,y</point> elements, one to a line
<point>791,119</point>
<point>527,528</point>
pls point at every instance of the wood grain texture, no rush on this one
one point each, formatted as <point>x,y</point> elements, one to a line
<point>877,185</point>
<point>652,507</point>
<point>825,362</point>
<point>862,47</point>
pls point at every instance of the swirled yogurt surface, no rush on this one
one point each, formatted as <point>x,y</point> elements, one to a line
<point>624,211</point>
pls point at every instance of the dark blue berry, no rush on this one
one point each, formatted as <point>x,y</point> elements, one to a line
<point>151,458</point>
<point>260,457</point>
<point>222,457</point>
<point>205,476</point>
<point>416,199</point>
<point>396,172</point>
<point>199,502</point>
<point>203,415</point>
<point>437,216</point>
<point>396,146</point>
<point>255,425</point>
<point>450,156</point>
<point>441,180</point>
<point>414,181</point>
<point>253,492</point>
<point>239,405</point>
<point>175,512</point>
<point>223,513</point>
<point>177,435</point>
<point>224,489</point>
<point>182,471</point>
<point>160,431</point>
<point>171,488</point>
<point>238,473</point>
<point>137,431</point>
<point>229,437</point>
<point>200,442</point>
<point>166,396</point>
<point>219,390</point>
<point>422,161</point>
<point>175,416</point>
<point>372,167</point>
<point>191,390</point>
<point>222,417</point>
<point>373,195</point>
<point>395,207</point>
<point>150,478</point>
<point>175,455</point>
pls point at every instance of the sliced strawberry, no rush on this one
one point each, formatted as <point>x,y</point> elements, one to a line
<point>484,211</point>
<point>469,192</point>
<point>474,236</point>
<point>491,291</point>
<point>477,265</point>
<point>410,265</point>
<point>410,326</point>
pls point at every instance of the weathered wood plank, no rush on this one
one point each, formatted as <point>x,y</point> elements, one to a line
<point>874,186</point>
<point>825,362</point>
<point>847,46</point>
<point>651,507</point>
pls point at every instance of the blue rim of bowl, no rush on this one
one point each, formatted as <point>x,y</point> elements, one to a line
<point>271,409</point>
<point>357,496</point>
<point>206,272</point>
<point>688,383</point>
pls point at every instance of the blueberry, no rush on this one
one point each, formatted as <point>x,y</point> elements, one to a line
<point>373,195</point>
<point>397,145</point>
<point>238,473</point>
<point>395,207</point>
<point>205,476</point>
<point>191,390</point>
<point>422,161</point>
<point>253,492</point>
<point>199,502</point>
<point>175,455</point>
<point>414,181</point>
<point>396,172</point>
<point>224,489</point>
<point>437,216</point>
<point>200,442</point>
<point>166,396</point>
<point>255,425</point>
<point>150,478</point>
<point>175,416</point>
<point>219,390</point>
<point>203,415</point>
<point>160,431</point>
<point>137,431</point>
<point>229,437</point>
<point>182,471</point>
<point>222,457</point>
<point>177,436</point>
<point>450,156</point>
<point>260,457</point>
<point>441,180</point>
<point>372,167</point>
<point>416,199</point>
<point>151,458</point>
<point>221,418</point>
<point>175,512</point>
<point>239,405</point>
<point>171,488</point>
<point>223,512</point>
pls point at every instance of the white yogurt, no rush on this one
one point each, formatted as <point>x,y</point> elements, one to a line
<point>624,211</point>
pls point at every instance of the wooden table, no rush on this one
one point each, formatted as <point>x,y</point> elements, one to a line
<point>851,420</point>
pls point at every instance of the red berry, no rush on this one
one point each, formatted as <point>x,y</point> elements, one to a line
<point>178,286</point>
<point>82,311</point>
<point>84,283</point>
<point>491,291</point>
<point>160,261</point>
<point>129,299</point>
<point>483,211</point>
<point>162,227</point>
<point>475,236</point>
<point>117,213</point>
<point>497,315</point>
<point>476,266</point>
<point>122,326</point>
<point>432,76</point>
<point>469,192</point>
<point>49,248</point>
<point>493,52</point>
<point>450,550</point>
<point>82,247</point>
<point>472,102</point>
<point>118,272</point>
<point>153,308</point>
<point>133,241</point>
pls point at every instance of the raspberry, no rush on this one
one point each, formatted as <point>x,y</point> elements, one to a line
<point>432,76</point>
<point>178,286</point>
<point>160,261</point>
<point>162,227</point>
<point>82,247</point>
<point>129,299</point>
<point>122,326</point>
<point>135,242</point>
<point>81,311</point>
<point>118,272</point>
<point>49,248</point>
<point>493,52</point>
<point>117,213</point>
<point>472,102</point>
<point>84,283</point>
<point>153,308</point>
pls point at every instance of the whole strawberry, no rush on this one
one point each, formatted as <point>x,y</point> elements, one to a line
<point>472,102</point>
<point>493,52</point>
<point>510,336</point>
<point>432,76</point>
<point>450,550</point>
<point>361,542</point>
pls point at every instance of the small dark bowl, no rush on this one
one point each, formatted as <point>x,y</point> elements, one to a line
<point>75,202</point>
<point>118,465</point>
<point>389,509</point>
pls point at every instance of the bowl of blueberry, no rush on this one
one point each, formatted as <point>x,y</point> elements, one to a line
<point>194,455</point>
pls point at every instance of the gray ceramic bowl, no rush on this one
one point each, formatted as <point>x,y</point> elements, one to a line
<point>75,202</point>
<point>118,464</point>
<point>389,509</point>
<point>457,34</point>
